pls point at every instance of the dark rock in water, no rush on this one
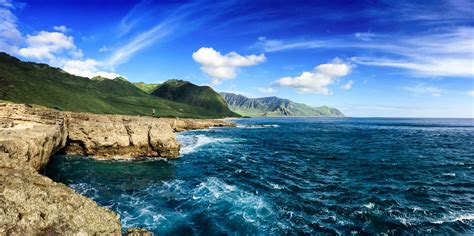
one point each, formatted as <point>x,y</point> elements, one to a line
<point>138,232</point>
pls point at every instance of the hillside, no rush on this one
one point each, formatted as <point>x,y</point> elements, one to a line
<point>34,83</point>
<point>201,96</point>
<point>274,107</point>
<point>148,88</point>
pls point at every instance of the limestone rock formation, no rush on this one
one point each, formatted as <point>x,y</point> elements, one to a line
<point>191,124</point>
<point>33,204</point>
<point>30,135</point>
<point>29,202</point>
<point>105,136</point>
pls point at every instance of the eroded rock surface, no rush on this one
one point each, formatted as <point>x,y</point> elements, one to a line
<point>30,203</point>
<point>33,204</point>
<point>29,136</point>
<point>106,136</point>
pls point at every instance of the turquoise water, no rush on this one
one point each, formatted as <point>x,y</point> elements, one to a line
<point>295,176</point>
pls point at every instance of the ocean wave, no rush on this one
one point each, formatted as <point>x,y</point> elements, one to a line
<point>250,207</point>
<point>258,126</point>
<point>192,143</point>
<point>463,217</point>
<point>85,189</point>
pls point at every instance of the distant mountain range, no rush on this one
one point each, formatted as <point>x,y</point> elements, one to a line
<point>41,84</point>
<point>274,107</point>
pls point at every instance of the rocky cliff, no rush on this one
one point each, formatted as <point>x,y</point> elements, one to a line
<point>31,203</point>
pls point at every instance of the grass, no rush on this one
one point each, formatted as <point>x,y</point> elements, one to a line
<point>33,83</point>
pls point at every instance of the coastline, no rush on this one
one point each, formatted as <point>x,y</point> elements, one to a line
<point>29,136</point>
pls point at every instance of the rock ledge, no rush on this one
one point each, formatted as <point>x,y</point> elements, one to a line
<point>33,204</point>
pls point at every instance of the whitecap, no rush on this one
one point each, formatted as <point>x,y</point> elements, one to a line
<point>275,186</point>
<point>258,126</point>
<point>449,174</point>
<point>191,143</point>
<point>369,205</point>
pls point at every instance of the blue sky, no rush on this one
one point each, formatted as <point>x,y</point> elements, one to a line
<point>367,58</point>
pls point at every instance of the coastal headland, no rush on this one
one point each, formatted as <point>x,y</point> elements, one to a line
<point>30,136</point>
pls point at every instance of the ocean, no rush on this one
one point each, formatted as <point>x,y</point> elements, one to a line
<point>278,176</point>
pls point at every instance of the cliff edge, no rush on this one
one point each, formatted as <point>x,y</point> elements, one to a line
<point>29,136</point>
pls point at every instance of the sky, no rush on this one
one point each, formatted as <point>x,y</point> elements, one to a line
<point>366,58</point>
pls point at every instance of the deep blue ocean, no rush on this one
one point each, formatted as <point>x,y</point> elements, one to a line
<point>294,176</point>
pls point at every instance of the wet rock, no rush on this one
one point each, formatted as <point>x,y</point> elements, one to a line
<point>138,232</point>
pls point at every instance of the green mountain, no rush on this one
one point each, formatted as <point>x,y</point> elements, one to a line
<point>274,107</point>
<point>34,83</point>
<point>201,96</point>
<point>148,88</point>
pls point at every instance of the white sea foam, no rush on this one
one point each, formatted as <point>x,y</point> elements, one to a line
<point>449,174</point>
<point>464,217</point>
<point>85,189</point>
<point>250,207</point>
<point>257,126</point>
<point>369,205</point>
<point>191,143</point>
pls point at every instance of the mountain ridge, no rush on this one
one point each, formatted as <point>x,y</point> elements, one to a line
<point>41,84</point>
<point>186,92</point>
<point>275,107</point>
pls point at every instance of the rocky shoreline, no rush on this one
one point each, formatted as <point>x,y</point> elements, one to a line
<point>33,204</point>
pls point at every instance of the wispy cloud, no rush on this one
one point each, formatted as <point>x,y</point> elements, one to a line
<point>447,53</point>
<point>10,36</point>
<point>61,28</point>
<point>139,42</point>
<point>267,90</point>
<point>174,22</point>
<point>424,89</point>
<point>348,85</point>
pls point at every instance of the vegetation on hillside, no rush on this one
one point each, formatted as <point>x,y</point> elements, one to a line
<point>34,83</point>
<point>201,96</point>
<point>148,88</point>
<point>274,107</point>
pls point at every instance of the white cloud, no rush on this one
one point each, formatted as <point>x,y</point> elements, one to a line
<point>471,93</point>
<point>424,89</point>
<point>61,28</point>
<point>223,67</point>
<point>145,39</point>
<point>10,36</point>
<point>267,90</point>
<point>47,45</point>
<point>443,53</point>
<point>319,79</point>
<point>6,4</point>
<point>87,68</point>
<point>447,67</point>
<point>364,36</point>
<point>347,85</point>
<point>54,48</point>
